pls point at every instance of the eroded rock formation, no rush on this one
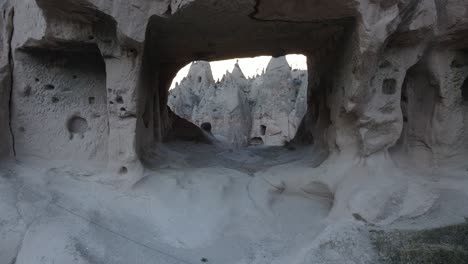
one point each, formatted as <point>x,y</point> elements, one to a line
<point>88,80</point>
<point>267,108</point>
<point>98,74</point>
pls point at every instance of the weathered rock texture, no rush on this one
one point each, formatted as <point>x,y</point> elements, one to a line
<point>267,108</point>
<point>89,80</point>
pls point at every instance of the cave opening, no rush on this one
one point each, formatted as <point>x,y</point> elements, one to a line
<point>419,96</point>
<point>282,105</point>
<point>253,98</point>
<point>464,90</point>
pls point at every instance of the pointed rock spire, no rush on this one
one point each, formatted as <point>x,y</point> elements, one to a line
<point>237,71</point>
<point>201,71</point>
<point>278,64</point>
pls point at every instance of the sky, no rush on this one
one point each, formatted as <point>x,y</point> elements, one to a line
<point>250,66</point>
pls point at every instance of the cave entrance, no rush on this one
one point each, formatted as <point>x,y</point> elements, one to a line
<point>231,30</point>
<point>250,101</point>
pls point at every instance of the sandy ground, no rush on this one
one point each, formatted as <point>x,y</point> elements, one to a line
<point>196,204</point>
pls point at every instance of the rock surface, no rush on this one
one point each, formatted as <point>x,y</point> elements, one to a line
<point>267,108</point>
<point>84,86</point>
<point>361,62</point>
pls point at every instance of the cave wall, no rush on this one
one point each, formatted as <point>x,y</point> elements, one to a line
<point>450,69</point>
<point>431,102</point>
<point>359,56</point>
<point>59,105</point>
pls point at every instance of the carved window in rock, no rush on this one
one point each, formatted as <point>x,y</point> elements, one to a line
<point>389,86</point>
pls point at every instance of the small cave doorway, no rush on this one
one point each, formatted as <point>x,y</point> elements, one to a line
<point>464,91</point>
<point>256,141</point>
<point>419,96</point>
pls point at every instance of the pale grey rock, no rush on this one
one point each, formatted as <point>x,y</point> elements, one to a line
<point>45,91</point>
<point>372,65</point>
<point>275,100</point>
<point>266,109</point>
<point>188,94</point>
<point>344,242</point>
<point>354,89</point>
<point>225,106</point>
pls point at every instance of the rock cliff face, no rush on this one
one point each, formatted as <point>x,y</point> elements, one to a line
<point>266,109</point>
<point>364,55</point>
<point>88,81</point>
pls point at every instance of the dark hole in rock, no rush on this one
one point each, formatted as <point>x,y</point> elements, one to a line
<point>110,102</point>
<point>119,99</point>
<point>262,130</point>
<point>74,76</point>
<point>146,118</point>
<point>456,64</point>
<point>123,170</point>
<point>404,98</point>
<point>199,79</point>
<point>389,86</point>
<point>385,64</point>
<point>90,37</point>
<point>206,126</point>
<point>123,109</point>
<point>91,100</point>
<point>464,89</point>
<point>297,82</point>
<point>385,4</point>
<point>169,10</point>
<point>405,119</point>
<point>36,79</point>
<point>77,125</point>
<point>55,99</point>
<point>27,90</point>
<point>289,145</point>
<point>256,141</point>
<point>49,87</point>
<point>204,260</point>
